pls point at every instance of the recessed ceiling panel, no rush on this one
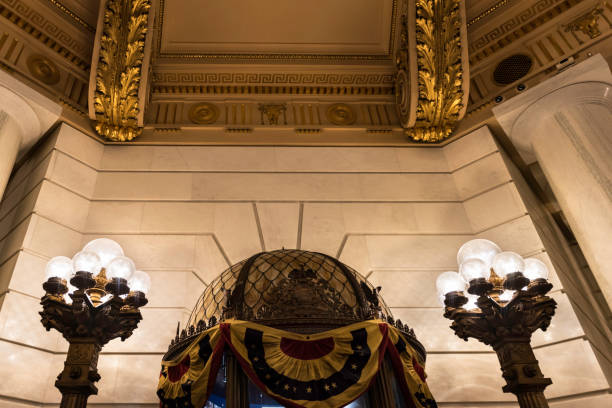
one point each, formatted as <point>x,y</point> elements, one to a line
<point>277,26</point>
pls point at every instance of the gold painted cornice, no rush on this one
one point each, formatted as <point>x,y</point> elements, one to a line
<point>119,69</point>
<point>40,29</point>
<point>431,70</point>
<point>69,13</point>
<point>487,12</point>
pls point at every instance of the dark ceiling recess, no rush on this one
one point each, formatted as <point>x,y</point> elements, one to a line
<point>512,69</point>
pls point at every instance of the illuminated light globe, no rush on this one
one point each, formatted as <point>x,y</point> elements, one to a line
<point>450,282</point>
<point>121,267</point>
<point>140,282</point>
<point>506,295</point>
<point>471,303</point>
<point>59,267</point>
<point>482,249</point>
<point>89,310</point>
<point>507,262</point>
<point>505,303</point>
<point>106,249</point>
<point>535,269</point>
<point>71,290</point>
<point>474,269</point>
<point>87,261</point>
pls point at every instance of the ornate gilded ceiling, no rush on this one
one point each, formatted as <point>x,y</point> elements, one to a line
<point>307,72</point>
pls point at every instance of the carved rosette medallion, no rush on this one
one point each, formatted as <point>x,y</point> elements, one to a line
<point>43,69</point>
<point>341,114</point>
<point>204,113</point>
<point>436,55</point>
<point>118,93</point>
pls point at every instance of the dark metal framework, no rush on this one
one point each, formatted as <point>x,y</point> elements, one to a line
<point>290,289</point>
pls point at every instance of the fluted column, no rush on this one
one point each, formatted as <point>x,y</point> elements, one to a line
<point>565,124</point>
<point>10,140</point>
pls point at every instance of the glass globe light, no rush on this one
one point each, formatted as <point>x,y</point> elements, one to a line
<point>121,267</point>
<point>506,295</point>
<point>471,303</point>
<point>71,289</point>
<point>507,262</point>
<point>535,269</point>
<point>105,248</point>
<point>482,249</point>
<point>59,267</point>
<point>140,282</point>
<point>474,268</point>
<point>87,261</point>
<point>450,282</point>
<point>441,300</point>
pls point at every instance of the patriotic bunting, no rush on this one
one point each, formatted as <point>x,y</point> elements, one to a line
<point>187,380</point>
<point>327,370</point>
<point>409,371</point>
<point>323,370</point>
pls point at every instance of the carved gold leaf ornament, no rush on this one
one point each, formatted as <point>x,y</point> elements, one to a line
<point>118,75</point>
<point>439,65</point>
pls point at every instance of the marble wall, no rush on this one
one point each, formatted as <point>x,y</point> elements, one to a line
<point>185,213</point>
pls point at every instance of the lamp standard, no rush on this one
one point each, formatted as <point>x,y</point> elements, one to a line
<point>505,303</point>
<point>91,299</point>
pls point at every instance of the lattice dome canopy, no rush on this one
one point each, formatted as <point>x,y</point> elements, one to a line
<point>291,289</point>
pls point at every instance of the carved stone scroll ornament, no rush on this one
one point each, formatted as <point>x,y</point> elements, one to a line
<point>432,69</point>
<point>120,69</point>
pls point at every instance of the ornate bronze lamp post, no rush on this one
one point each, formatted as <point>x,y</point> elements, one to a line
<point>91,299</point>
<point>505,304</point>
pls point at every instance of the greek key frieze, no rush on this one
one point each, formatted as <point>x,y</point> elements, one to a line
<point>512,24</point>
<point>273,78</point>
<point>33,16</point>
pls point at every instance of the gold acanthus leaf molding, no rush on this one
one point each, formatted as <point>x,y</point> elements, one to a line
<point>437,55</point>
<point>119,69</point>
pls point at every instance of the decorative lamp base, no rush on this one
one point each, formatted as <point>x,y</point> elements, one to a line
<point>455,299</point>
<point>136,299</point>
<point>515,281</point>
<point>539,287</point>
<point>118,287</point>
<point>480,286</point>
<point>55,287</point>
<point>83,280</point>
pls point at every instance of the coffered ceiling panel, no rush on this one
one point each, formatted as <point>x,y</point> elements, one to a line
<point>342,27</point>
